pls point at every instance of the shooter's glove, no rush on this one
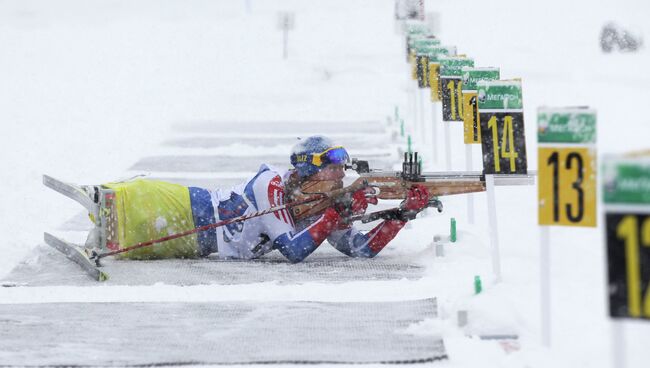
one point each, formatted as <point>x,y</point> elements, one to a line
<point>355,203</point>
<point>416,200</point>
<point>360,200</point>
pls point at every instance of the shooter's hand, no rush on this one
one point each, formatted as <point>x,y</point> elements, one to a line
<point>417,198</point>
<point>360,200</point>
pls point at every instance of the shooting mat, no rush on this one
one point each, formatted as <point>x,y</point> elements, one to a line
<point>158,334</point>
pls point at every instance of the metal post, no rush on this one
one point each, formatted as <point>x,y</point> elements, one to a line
<point>470,196</point>
<point>494,234</point>
<point>545,284</point>
<point>618,344</point>
<point>416,104</point>
<point>285,50</point>
<point>434,131</point>
<point>422,122</point>
<point>447,146</point>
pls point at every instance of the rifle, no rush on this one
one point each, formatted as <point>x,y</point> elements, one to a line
<point>396,184</point>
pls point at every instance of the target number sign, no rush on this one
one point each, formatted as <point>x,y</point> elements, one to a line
<point>471,76</point>
<point>567,166</point>
<point>627,223</point>
<point>451,86</point>
<point>501,120</point>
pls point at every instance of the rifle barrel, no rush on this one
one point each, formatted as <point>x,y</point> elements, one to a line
<point>470,176</point>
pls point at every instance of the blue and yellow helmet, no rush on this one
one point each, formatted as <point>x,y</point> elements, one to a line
<point>312,154</point>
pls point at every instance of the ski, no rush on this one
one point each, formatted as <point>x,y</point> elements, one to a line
<point>74,192</point>
<point>77,255</point>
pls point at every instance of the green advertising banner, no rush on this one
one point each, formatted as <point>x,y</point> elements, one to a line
<point>412,40</point>
<point>435,53</point>
<point>412,28</point>
<point>425,43</point>
<point>452,66</point>
<point>471,76</point>
<point>626,180</point>
<point>499,95</point>
<point>566,125</point>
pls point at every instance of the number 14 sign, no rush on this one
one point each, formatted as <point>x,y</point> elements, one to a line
<point>567,166</point>
<point>501,120</point>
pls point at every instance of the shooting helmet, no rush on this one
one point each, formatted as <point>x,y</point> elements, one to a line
<point>314,153</point>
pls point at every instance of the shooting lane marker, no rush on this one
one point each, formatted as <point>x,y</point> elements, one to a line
<point>450,90</point>
<point>471,126</point>
<point>470,197</point>
<point>434,131</point>
<point>494,227</point>
<point>503,144</point>
<point>567,185</point>
<point>422,137</point>
<point>435,53</point>
<point>625,184</point>
<point>424,47</point>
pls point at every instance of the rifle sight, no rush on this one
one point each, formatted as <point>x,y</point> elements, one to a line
<point>360,166</point>
<point>411,167</point>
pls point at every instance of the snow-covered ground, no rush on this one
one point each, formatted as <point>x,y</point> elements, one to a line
<point>87,88</point>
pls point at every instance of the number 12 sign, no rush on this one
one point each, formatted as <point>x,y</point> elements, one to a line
<point>627,221</point>
<point>567,166</point>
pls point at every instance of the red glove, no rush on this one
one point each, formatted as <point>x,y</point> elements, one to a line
<point>360,201</point>
<point>416,198</point>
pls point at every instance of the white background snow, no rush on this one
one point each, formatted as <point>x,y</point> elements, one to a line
<point>87,87</point>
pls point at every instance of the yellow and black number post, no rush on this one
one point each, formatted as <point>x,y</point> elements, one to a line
<point>566,166</point>
<point>422,70</point>
<point>413,64</point>
<point>501,119</point>
<point>471,76</point>
<point>503,142</point>
<point>452,98</point>
<point>434,80</point>
<point>567,185</point>
<point>628,266</point>
<point>471,126</point>
<point>451,85</point>
<point>627,222</point>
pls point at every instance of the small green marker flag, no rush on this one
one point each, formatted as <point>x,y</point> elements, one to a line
<point>452,236</point>
<point>478,287</point>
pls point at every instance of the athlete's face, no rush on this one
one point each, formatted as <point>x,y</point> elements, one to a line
<point>330,172</point>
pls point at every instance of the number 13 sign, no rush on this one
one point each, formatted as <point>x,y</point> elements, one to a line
<point>567,166</point>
